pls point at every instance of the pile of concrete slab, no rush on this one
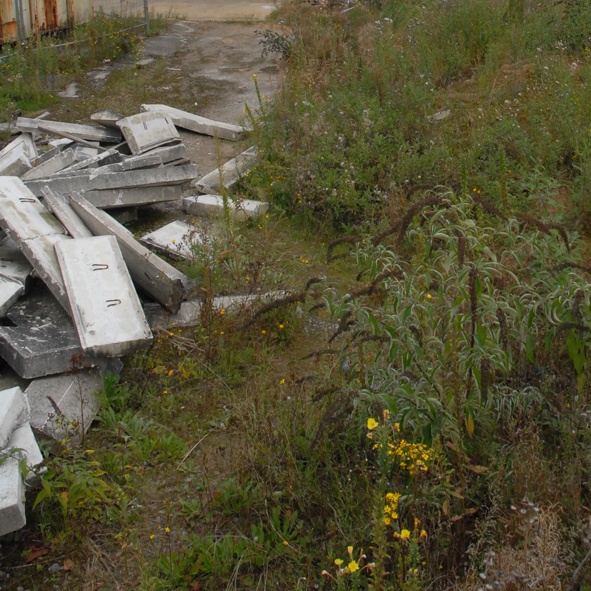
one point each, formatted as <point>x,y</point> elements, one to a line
<point>59,212</point>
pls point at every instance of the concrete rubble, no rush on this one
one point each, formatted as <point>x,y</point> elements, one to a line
<point>77,290</point>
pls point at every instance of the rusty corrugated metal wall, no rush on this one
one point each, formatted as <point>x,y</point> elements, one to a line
<point>20,19</point>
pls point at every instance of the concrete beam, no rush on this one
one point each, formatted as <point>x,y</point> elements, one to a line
<point>145,131</point>
<point>105,307</point>
<point>84,132</point>
<point>63,407</point>
<point>198,124</point>
<point>65,214</point>
<point>156,277</point>
<point>15,162</point>
<point>23,446</point>
<point>132,179</point>
<point>177,240</point>
<point>106,118</point>
<point>24,142</point>
<point>117,198</point>
<point>227,176</point>
<point>213,206</point>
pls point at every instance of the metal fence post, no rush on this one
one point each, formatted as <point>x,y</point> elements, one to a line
<point>147,17</point>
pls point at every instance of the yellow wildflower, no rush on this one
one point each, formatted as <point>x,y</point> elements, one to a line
<point>353,566</point>
<point>372,423</point>
<point>405,534</point>
<point>338,561</point>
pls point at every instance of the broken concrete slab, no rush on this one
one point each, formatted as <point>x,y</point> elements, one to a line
<point>51,166</point>
<point>23,446</point>
<point>228,174</point>
<point>70,130</point>
<point>177,240</point>
<point>63,407</point>
<point>25,142</point>
<point>93,161</point>
<point>105,307</point>
<point>44,340</point>
<point>214,206</point>
<point>145,131</point>
<point>156,277</point>
<point>15,162</point>
<point>12,497</point>
<point>13,413</point>
<point>106,118</point>
<point>95,181</point>
<point>22,214</point>
<point>198,124</point>
<point>65,214</point>
<point>168,154</point>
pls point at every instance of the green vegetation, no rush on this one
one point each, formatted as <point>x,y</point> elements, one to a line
<point>416,414</point>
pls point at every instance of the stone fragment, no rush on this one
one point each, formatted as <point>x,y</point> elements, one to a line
<point>177,240</point>
<point>145,131</point>
<point>64,406</point>
<point>105,307</point>
<point>227,176</point>
<point>198,124</point>
<point>213,206</point>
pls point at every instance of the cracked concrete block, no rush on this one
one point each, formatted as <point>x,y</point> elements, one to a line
<point>63,407</point>
<point>51,166</point>
<point>177,240</point>
<point>44,340</point>
<point>198,124</point>
<point>105,307</point>
<point>12,497</point>
<point>213,206</point>
<point>156,277</point>
<point>84,132</point>
<point>65,214</point>
<point>13,413</point>
<point>229,174</point>
<point>145,131</point>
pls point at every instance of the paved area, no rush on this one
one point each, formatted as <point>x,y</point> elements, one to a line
<point>217,10</point>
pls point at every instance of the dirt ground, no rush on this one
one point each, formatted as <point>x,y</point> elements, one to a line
<point>214,9</point>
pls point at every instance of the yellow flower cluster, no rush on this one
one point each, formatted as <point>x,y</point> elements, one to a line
<point>412,457</point>
<point>391,508</point>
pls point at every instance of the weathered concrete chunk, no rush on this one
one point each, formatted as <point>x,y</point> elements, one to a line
<point>61,160</point>
<point>13,413</point>
<point>132,179</point>
<point>213,206</point>
<point>115,198</point>
<point>176,239</point>
<point>12,497</point>
<point>93,161</point>
<point>156,277</point>
<point>145,131</point>
<point>227,176</point>
<point>44,341</point>
<point>26,141</point>
<point>85,132</point>
<point>21,214</point>
<point>15,161</point>
<point>105,307</point>
<point>198,124</point>
<point>65,214</point>
<point>23,446</point>
<point>64,406</point>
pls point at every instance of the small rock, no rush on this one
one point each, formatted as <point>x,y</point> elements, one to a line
<point>54,568</point>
